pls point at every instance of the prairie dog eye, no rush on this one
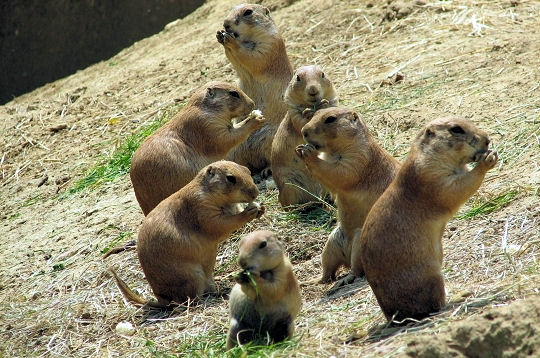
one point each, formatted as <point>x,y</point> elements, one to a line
<point>262,245</point>
<point>234,94</point>
<point>322,74</point>
<point>330,119</point>
<point>298,79</point>
<point>231,179</point>
<point>248,12</point>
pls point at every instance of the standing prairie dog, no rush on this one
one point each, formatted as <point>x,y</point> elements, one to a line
<point>178,240</point>
<point>343,156</point>
<point>309,89</point>
<point>257,52</point>
<point>400,247</point>
<point>266,299</point>
<point>201,133</point>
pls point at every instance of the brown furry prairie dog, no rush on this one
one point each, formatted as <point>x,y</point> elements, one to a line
<point>309,89</point>
<point>343,156</point>
<point>266,299</point>
<point>400,247</point>
<point>257,52</point>
<point>201,133</point>
<point>178,240</point>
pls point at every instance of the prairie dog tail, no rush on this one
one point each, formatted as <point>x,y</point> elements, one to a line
<point>131,296</point>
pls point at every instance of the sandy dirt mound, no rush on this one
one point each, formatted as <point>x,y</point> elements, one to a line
<point>512,331</point>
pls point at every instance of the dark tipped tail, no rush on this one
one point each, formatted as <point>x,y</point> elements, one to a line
<point>131,296</point>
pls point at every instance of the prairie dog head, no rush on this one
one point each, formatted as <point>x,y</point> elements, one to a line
<point>226,183</point>
<point>308,87</point>
<point>222,97</point>
<point>455,139</point>
<point>332,129</point>
<point>246,22</point>
<point>260,251</point>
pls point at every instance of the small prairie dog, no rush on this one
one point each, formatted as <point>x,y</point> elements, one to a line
<point>266,299</point>
<point>178,240</point>
<point>400,247</point>
<point>201,133</point>
<point>257,52</point>
<point>343,156</point>
<point>309,90</point>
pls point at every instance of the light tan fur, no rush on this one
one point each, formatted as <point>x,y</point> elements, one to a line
<point>178,240</point>
<point>309,89</point>
<point>266,299</point>
<point>343,156</point>
<point>257,52</point>
<point>201,133</point>
<point>400,247</point>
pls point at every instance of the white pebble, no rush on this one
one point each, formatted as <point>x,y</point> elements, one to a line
<point>125,328</point>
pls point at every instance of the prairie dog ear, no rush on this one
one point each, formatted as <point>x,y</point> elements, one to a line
<point>266,11</point>
<point>210,170</point>
<point>426,136</point>
<point>355,117</point>
<point>308,113</point>
<point>210,92</point>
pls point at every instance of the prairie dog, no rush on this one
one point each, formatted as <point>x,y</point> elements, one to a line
<point>400,247</point>
<point>343,156</point>
<point>309,90</point>
<point>266,298</point>
<point>178,240</point>
<point>201,133</point>
<point>257,52</point>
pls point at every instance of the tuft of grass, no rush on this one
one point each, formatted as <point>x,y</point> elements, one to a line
<point>119,163</point>
<point>211,344</point>
<point>262,351</point>
<point>154,352</point>
<point>214,344</point>
<point>122,236</point>
<point>489,206</point>
<point>31,201</point>
<point>318,218</point>
<point>14,216</point>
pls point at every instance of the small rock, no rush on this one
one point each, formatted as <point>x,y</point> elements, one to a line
<point>57,128</point>
<point>125,328</point>
<point>43,180</point>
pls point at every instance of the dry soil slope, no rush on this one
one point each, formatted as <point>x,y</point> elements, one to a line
<point>476,59</point>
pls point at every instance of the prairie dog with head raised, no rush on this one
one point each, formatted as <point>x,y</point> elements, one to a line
<point>266,299</point>
<point>257,52</point>
<point>201,133</point>
<point>400,247</point>
<point>309,90</point>
<point>178,240</point>
<point>343,156</point>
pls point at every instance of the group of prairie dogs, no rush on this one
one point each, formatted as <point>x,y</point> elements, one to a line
<point>192,179</point>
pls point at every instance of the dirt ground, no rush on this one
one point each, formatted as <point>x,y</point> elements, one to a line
<point>477,59</point>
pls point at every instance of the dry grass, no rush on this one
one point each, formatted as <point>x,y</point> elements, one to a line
<point>478,59</point>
